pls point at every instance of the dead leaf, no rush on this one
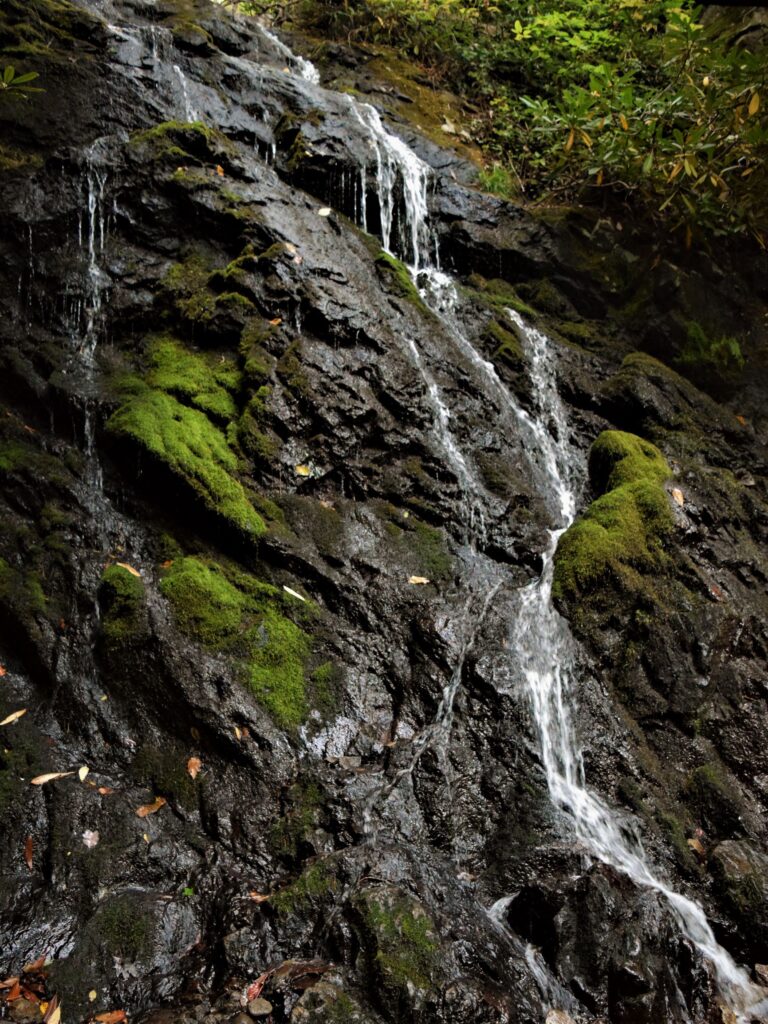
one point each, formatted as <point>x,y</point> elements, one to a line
<point>35,966</point>
<point>220,170</point>
<point>105,790</point>
<point>258,897</point>
<point>15,992</point>
<point>166,564</point>
<point>742,420</point>
<point>93,995</point>
<point>103,697</point>
<point>145,837</point>
<point>156,804</point>
<point>90,839</point>
<point>302,470</point>
<point>194,764</point>
<point>418,579</point>
<point>9,982</point>
<point>294,593</point>
<point>40,780</point>
<point>82,772</point>
<point>324,211</point>
<point>14,717</point>
<point>53,1013</point>
<point>128,568</point>
<point>254,990</point>
<point>277,321</point>
<point>111,1017</point>
<point>290,247</point>
<point>679,497</point>
<point>3,671</point>
<point>238,733</point>
<point>28,848</point>
<point>698,848</point>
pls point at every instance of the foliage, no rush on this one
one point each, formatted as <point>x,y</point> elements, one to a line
<point>18,85</point>
<point>590,99</point>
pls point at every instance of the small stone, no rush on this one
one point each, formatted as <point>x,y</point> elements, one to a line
<point>761,974</point>
<point>240,1018</point>
<point>259,1008</point>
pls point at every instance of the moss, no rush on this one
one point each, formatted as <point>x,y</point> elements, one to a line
<point>191,446</point>
<point>124,926</point>
<point>707,360</point>
<point>21,591</point>
<point>291,371</point>
<point>498,295</point>
<point>257,363</point>
<point>422,548</point>
<point>305,801</point>
<point>187,283</point>
<point>314,884</point>
<point>163,770</point>
<point>504,344</point>
<point>205,381</point>
<point>178,139</point>
<point>249,433</point>
<point>395,273</point>
<point>673,829</point>
<point>407,951</point>
<point>714,800</point>
<point>123,600</point>
<point>237,613</point>
<point>621,532</point>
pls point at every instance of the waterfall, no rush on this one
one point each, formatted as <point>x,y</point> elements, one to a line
<point>190,112</point>
<point>540,642</point>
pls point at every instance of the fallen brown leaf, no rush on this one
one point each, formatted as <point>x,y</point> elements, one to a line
<point>194,764</point>
<point>105,790</point>
<point>36,965</point>
<point>146,809</point>
<point>220,170</point>
<point>276,322</point>
<point>258,897</point>
<point>8,983</point>
<point>13,717</point>
<point>28,849</point>
<point>111,1017</point>
<point>421,580</point>
<point>14,993</point>
<point>3,671</point>
<point>40,780</point>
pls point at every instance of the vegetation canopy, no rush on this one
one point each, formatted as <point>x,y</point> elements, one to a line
<point>592,100</point>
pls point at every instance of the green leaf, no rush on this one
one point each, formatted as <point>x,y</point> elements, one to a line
<point>8,74</point>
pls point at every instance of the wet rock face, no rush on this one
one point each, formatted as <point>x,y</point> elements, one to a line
<point>222,464</point>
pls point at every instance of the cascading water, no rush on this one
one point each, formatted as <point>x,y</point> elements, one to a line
<point>540,643</point>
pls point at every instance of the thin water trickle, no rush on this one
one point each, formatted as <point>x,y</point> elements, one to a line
<point>190,112</point>
<point>305,68</point>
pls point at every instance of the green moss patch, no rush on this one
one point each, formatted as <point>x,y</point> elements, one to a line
<point>21,591</point>
<point>191,446</point>
<point>622,531</point>
<point>123,600</point>
<point>189,140</point>
<point>233,612</point>
<point>205,381</point>
<point>405,937</point>
<point>315,884</point>
<point>397,278</point>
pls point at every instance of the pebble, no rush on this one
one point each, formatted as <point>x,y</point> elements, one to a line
<point>259,1008</point>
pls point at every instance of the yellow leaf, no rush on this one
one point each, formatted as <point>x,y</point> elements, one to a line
<point>128,568</point>
<point>677,494</point>
<point>294,593</point>
<point>13,717</point>
<point>623,122</point>
<point>599,177</point>
<point>418,579</point>
<point>586,139</point>
<point>40,780</point>
<point>754,104</point>
<point>675,171</point>
<point>238,733</point>
<point>276,322</point>
<point>55,1017</point>
<point>83,772</point>
<point>93,995</point>
<point>220,170</point>
<point>194,764</point>
<point>570,142</point>
<point>302,470</point>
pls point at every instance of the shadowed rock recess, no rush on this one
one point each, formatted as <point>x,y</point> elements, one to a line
<point>233,431</point>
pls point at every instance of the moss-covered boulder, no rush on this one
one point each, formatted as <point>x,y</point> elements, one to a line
<point>621,533</point>
<point>233,612</point>
<point>122,597</point>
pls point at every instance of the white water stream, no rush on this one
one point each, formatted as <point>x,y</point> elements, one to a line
<point>540,643</point>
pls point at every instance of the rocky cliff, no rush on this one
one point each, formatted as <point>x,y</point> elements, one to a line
<point>271,503</point>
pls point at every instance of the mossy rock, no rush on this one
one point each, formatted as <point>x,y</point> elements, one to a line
<point>714,800</point>
<point>186,442</point>
<point>504,344</point>
<point>233,612</point>
<point>204,380</point>
<point>21,591</point>
<point>394,273</point>
<point>187,284</point>
<point>621,533</point>
<point>122,596</point>
<point>180,140</point>
<point>162,768</point>
<point>314,887</point>
<point>250,433</point>
<point>498,296</point>
<point>402,939</point>
<point>305,801</point>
